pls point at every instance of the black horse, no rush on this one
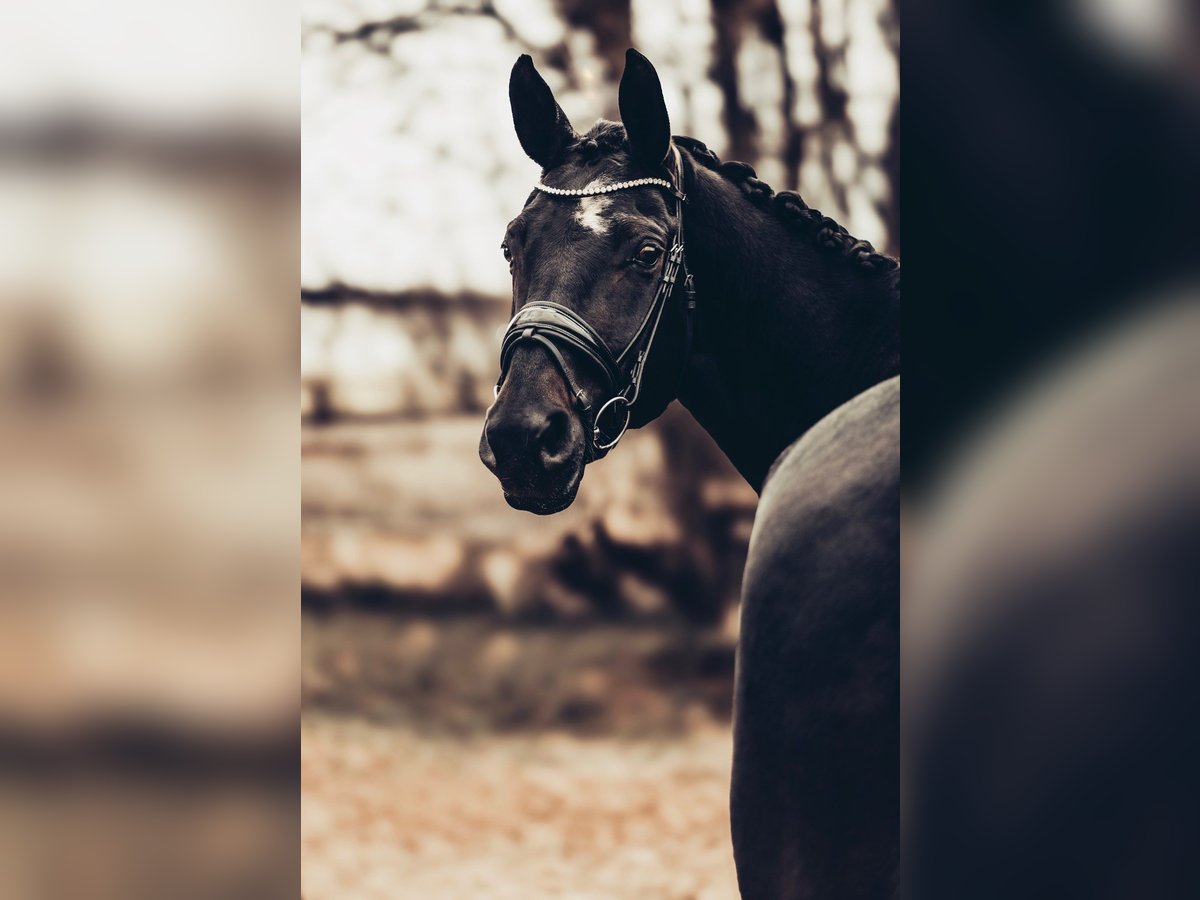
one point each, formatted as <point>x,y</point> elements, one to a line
<point>646,270</point>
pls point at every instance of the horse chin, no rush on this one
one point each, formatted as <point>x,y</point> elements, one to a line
<point>542,506</point>
<point>547,501</point>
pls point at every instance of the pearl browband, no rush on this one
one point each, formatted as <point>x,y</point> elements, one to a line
<point>604,189</point>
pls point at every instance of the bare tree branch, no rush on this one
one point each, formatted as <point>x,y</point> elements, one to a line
<point>832,100</point>
<point>376,35</point>
<point>740,122</point>
<point>773,28</point>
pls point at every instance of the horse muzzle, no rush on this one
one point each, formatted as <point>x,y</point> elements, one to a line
<point>537,453</point>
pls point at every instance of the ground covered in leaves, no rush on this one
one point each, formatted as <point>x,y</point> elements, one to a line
<point>389,812</point>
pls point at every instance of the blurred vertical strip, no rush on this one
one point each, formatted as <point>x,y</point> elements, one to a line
<point>149,625</point>
<point>1051,632</point>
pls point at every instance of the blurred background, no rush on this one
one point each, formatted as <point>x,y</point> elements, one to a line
<point>496,704</point>
<point>149,641</point>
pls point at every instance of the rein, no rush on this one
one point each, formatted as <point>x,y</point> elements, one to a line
<point>556,327</point>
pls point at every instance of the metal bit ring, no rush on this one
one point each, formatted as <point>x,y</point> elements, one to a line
<point>597,439</point>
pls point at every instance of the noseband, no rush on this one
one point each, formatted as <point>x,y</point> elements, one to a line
<point>556,327</point>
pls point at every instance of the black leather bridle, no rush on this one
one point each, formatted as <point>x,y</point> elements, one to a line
<point>556,327</point>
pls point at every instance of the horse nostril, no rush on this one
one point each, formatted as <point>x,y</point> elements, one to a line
<point>524,443</point>
<point>504,442</point>
<point>553,440</point>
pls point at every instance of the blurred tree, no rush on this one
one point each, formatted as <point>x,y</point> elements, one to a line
<point>812,93</point>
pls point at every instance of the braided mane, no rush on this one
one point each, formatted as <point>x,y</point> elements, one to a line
<point>609,137</point>
<point>789,208</point>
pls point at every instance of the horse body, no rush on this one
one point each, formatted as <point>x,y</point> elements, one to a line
<point>795,376</point>
<point>814,802</point>
<point>793,369</point>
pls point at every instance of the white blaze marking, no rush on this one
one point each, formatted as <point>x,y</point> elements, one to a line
<point>591,210</point>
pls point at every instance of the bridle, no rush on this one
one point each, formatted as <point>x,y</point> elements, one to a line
<point>556,327</point>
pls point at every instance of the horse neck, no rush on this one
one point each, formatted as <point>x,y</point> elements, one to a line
<point>785,331</point>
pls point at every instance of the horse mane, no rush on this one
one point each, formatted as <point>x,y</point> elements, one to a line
<point>787,206</point>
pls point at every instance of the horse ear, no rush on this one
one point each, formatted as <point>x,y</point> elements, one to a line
<point>542,127</point>
<point>644,111</point>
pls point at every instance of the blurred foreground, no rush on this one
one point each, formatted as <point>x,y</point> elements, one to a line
<point>1052,451</point>
<point>1052,635</point>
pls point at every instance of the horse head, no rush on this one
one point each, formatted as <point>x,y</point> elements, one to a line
<point>596,255</point>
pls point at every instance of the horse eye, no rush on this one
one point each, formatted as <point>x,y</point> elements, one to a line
<point>648,255</point>
<point>507,253</point>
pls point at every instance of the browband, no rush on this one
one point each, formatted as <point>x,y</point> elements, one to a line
<point>607,188</point>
